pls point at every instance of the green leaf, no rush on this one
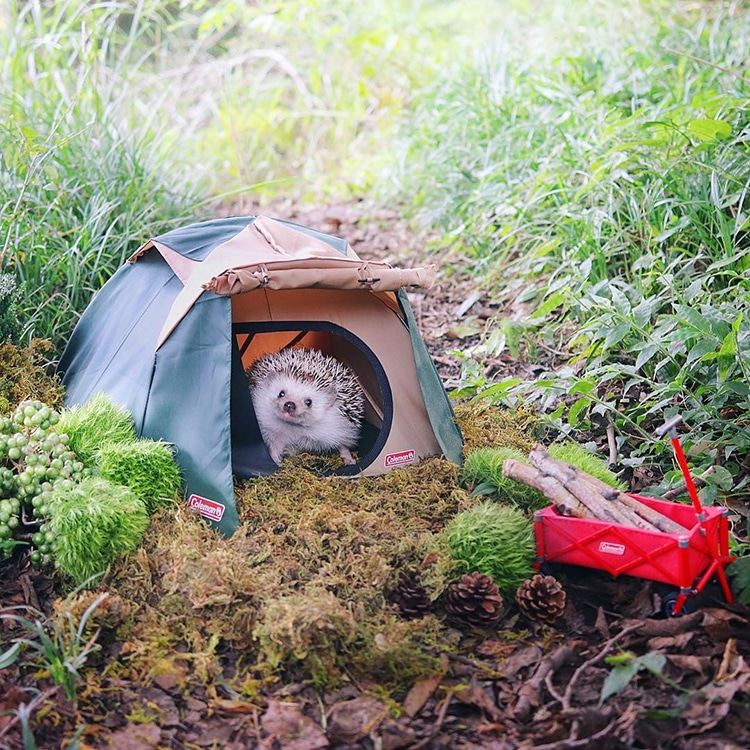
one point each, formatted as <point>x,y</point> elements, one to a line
<point>709,131</point>
<point>678,226</point>
<point>653,661</point>
<point>703,349</point>
<point>617,334</point>
<point>552,302</point>
<point>693,290</point>
<point>721,477</point>
<point>739,574</point>
<point>576,410</point>
<point>739,387</point>
<point>620,301</point>
<point>618,679</point>
<point>692,317</point>
<point>646,353</point>
<point>643,311</point>
<point>582,386</point>
<point>9,656</point>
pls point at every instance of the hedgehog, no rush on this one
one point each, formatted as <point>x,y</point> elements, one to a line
<point>306,402</point>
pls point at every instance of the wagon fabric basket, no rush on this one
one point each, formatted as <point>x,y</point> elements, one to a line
<point>171,334</point>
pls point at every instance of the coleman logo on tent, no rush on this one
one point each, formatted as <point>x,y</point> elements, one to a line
<point>207,508</point>
<point>400,458</point>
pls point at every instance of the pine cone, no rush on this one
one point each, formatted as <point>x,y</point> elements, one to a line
<point>474,600</point>
<point>410,597</point>
<point>541,597</point>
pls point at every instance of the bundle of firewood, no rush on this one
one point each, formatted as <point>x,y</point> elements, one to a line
<point>576,493</point>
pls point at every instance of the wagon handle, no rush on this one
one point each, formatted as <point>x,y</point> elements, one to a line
<point>669,426</point>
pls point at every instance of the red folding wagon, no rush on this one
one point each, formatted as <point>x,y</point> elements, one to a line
<point>687,560</point>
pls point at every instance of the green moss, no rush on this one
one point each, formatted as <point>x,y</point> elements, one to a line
<point>483,475</point>
<point>147,467</point>
<point>496,540</point>
<point>580,457</point>
<point>98,422</point>
<point>23,375</point>
<point>93,522</point>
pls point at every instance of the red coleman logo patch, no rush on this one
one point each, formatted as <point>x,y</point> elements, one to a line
<point>209,509</point>
<point>400,458</point>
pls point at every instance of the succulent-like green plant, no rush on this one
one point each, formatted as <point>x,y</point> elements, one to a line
<point>496,540</point>
<point>147,467</point>
<point>91,523</point>
<point>98,422</point>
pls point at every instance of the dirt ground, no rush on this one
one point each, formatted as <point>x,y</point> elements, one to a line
<point>613,672</point>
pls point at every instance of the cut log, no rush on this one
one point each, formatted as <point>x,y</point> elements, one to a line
<point>602,509</point>
<point>567,504</point>
<point>579,483</point>
<point>662,522</point>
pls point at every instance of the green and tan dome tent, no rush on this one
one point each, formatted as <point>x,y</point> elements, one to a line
<point>171,334</point>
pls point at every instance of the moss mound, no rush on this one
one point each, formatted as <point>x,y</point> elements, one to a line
<point>147,467</point>
<point>93,521</point>
<point>304,589</point>
<point>496,540</point>
<point>24,374</point>
<point>483,474</point>
<point>95,424</point>
<point>584,459</point>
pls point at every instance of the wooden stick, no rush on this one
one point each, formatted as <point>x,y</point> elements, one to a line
<point>567,504</point>
<point>662,522</point>
<point>698,481</point>
<point>658,520</point>
<point>585,492</point>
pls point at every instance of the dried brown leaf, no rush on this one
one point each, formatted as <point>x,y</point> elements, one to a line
<point>286,724</point>
<point>350,721</point>
<point>136,737</point>
<point>420,693</point>
<point>478,696</point>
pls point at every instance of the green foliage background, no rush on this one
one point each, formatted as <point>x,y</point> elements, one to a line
<point>587,162</point>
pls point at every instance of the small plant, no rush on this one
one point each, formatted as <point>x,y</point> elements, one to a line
<point>10,325</point>
<point>739,578</point>
<point>627,665</point>
<point>34,458</point>
<point>91,523</point>
<point>147,467</point>
<point>61,651</point>
<point>98,422</point>
<point>495,540</point>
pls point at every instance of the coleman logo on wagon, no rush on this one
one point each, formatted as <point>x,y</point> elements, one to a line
<point>610,548</point>
<point>400,458</point>
<point>209,509</point>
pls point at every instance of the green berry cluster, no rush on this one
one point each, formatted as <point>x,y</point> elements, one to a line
<point>34,459</point>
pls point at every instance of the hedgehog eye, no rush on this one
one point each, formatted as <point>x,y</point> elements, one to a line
<point>308,402</point>
<point>282,394</point>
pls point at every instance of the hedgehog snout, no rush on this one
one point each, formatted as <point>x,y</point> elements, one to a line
<point>290,407</point>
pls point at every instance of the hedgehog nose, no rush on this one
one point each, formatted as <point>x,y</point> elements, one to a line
<point>290,407</point>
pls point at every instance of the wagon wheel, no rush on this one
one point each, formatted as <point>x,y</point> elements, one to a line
<point>669,602</point>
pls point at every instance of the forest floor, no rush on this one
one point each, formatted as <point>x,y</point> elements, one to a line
<point>672,682</point>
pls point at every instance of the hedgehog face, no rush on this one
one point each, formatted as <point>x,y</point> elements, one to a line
<point>298,403</point>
